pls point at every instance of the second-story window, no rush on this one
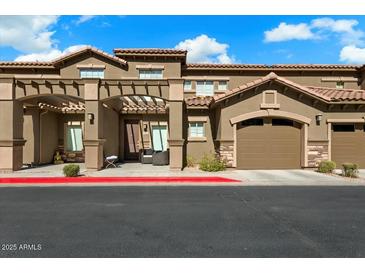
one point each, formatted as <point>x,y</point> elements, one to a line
<point>204,88</point>
<point>187,85</point>
<point>340,84</point>
<point>150,74</point>
<point>222,85</point>
<point>92,73</point>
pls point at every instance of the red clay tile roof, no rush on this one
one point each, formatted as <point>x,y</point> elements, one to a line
<point>273,67</point>
<point>225,66</point>
<point>25,64</point>
<point>198,101</point>
<point>62,58</point>
<point>324,94</point>
<point>89,49</point>
<point>149,51</point>
<point>335,95</point>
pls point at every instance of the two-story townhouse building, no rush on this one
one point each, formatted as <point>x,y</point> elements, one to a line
<point>90,104</point>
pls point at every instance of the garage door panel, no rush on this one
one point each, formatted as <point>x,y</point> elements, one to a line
<point>348,146</point>
<point>268,147</point>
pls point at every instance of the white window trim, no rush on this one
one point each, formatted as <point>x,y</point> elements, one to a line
<point>205,84</point>
<point>191,85</point>
<point>197,138</point>
<point>91,69</point>
<point>150,70</point>
<point>222,89</point>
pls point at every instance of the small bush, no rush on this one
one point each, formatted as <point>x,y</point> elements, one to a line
<point>212,163</point>
<point>190,161</point>
<point>326,166</point>
<point>350,170</point>
<point>71,170</point>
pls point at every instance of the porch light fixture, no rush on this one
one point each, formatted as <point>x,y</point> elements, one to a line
<point>90,116</point>
<point>318,118</point>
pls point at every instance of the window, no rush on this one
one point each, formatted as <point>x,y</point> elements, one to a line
<point>340,84</point>
<point>204,88</point>
<point>74,138</point>
<point>282,122</point>
<point>91,73</point>
<point>222,85</point>
<point>252,122</point>
<point>150,74</point>
<point>344,128</point>
<point>196,129</point>
<point>187,85</point>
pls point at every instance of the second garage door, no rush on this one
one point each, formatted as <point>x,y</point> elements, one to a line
<point>348,144</point>
<point>268,143</point>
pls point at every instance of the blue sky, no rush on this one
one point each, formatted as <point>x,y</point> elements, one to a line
<point>219,39</point>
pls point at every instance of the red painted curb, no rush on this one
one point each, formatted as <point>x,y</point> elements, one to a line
<point>60,180</point>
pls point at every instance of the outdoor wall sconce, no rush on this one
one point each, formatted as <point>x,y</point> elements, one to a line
<point>318,118</point>
<point>90,116</point>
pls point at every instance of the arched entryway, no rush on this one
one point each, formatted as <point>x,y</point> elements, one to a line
<point>270,140</point>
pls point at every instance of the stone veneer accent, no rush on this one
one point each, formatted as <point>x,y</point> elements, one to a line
<point>226,152</point>
<point>317,151</point>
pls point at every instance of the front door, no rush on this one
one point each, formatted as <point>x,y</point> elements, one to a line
<point>159,138</point>
<point>131,140</point>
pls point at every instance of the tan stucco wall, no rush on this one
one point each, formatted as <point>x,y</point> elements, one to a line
<point>112,69</point>
<point>289,102</point>
<point>197,149</point>
<point>31,135</point>
<point>115,71</point>
<point>236,79</point>
<point>111,132</point>
<point>49,136</point>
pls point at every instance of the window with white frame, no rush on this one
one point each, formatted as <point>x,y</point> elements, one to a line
<point>340,84</point>
<point>187,85</point>
<point>196,129</point>
<point>204,88</point>
<point>91,73</point>
<point>222,85</point>
<point>74,138</point>
<point>150,74</point>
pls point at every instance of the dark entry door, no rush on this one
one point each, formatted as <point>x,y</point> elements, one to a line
<point>131,140</point>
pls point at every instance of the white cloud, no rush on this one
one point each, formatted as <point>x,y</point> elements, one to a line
<point>343,25</point>
<point>84,18</point>
<point>345,28</point>
<point>204,49</point>
<point>48,55</point>
<point>286,32</point>
<point>352,54</point>
<point>27,33</point>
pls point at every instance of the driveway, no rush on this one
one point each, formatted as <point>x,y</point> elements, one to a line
<point>180,221</point>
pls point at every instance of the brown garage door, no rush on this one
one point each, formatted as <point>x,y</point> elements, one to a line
<point>348,144</point>
<point>268,143</point>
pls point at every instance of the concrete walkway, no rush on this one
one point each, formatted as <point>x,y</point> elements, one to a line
<point>247,177</point>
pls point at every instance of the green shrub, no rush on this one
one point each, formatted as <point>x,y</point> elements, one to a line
<point>190,161</point>
<point>326,166</point>
<point>71,170</point>
<point>212,163</point>
<point>350,170</point>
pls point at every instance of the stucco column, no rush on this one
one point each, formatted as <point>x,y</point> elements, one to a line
<point>11,127</point>
<point>93,139</point>
<point>176,124</point>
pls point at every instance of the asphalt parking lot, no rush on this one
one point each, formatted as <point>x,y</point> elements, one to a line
<point>183,221</point>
